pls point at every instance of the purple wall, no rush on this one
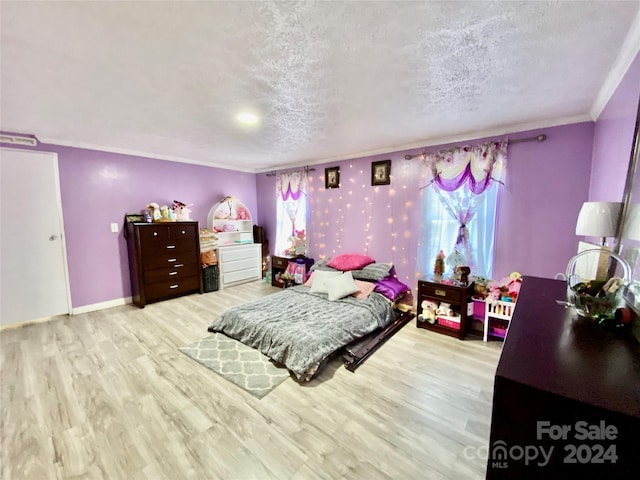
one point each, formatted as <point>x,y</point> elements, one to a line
<point>613,139</point>
<point>546,185</point>
<point>98,188</point>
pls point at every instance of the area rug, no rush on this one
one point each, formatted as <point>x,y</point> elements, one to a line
<point>244,366</point>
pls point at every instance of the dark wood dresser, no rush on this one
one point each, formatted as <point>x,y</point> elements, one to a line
<point>566,400</point>
<point>164,260</point>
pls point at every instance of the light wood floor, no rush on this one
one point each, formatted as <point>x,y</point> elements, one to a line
<point>107,395</point>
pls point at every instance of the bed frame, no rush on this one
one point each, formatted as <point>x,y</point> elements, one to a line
<point>363,348</point>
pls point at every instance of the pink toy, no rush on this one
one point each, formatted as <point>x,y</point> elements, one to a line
<point>182,211</point>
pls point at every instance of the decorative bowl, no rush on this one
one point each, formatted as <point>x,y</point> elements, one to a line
<point>597,298</point>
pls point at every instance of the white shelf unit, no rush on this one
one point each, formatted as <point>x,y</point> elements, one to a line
<point>497,309</point>
<point>232,222</point>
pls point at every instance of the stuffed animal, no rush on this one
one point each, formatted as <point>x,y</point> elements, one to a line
<point>429,311</point>
<point>507,289</point>
<point>164,213</point>
<point>182,211</point>
<point>298,244</point>
<point>463,274</point>
<point>444,309</point>
<point>154,211</point>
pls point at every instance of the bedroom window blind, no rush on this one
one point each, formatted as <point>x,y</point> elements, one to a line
<point>292,205</point>
<point>459,199</point>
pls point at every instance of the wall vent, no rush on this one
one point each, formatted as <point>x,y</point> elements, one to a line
<point>18,140</point>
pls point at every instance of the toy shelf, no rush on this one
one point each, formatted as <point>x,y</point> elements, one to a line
<point>497,310</point>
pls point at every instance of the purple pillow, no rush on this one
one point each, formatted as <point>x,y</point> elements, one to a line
<point>391,287</point>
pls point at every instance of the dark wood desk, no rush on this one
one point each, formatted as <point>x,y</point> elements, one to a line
<point>561,378</point>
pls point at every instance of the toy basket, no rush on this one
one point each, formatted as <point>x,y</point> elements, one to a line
<point>597,298</point>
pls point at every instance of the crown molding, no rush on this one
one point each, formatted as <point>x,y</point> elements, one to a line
<point>627,54</point>
<point>137,153</point>
<point>429,142</point>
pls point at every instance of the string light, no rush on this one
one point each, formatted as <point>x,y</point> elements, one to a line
<point>352,214</point>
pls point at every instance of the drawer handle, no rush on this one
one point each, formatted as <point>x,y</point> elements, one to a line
<point>173,273</point>
<point>172,260</point>
<point>184,232</point>
<point>441,293</point>
<point>178,265</point>
<point>171,246</point>
<point>173,286</point>
<point>155,234</point>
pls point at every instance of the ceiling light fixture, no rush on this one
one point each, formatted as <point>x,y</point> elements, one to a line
<point>247,118</point>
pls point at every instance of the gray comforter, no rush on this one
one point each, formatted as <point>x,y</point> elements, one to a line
<point>300,329</point>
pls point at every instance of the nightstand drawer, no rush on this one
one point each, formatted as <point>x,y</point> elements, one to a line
<point>279,262</point>
<point>442,292</point>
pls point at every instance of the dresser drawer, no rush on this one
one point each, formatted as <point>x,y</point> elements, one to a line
<point>241,275</point>
<point>441,292</point>
<point>153,234</point>
<point>183,233</point>
<point>241,264</point>
<point>171,274</point>
<point>230,254</point>
<point>155,291</point>
<point>168,258</point>
<point>169,246</point>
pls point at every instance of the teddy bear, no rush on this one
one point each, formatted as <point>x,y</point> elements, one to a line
<point>429,311</point>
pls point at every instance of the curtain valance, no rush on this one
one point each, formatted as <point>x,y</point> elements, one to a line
<point>291,184</point>
<point>476,166</point>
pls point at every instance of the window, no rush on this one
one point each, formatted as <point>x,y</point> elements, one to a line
<point>459,202</point>
<point>292,201</point>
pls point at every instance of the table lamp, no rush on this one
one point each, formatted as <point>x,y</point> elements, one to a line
<point>598,219</point>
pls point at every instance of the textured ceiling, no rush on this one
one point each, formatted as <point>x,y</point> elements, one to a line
<point>329,80</point>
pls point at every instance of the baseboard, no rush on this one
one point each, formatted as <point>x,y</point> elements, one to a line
<point>75,311</point>
<point>11,326</point>
<point>101,306</point>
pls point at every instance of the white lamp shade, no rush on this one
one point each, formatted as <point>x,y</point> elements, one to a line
<point>631,228</point>
<point>598,219</point>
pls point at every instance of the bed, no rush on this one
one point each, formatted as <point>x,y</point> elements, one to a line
<point>303,326</point>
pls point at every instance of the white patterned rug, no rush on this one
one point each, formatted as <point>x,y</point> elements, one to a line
<point>245,366</point>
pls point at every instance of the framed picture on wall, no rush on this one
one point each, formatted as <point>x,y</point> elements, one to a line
<point>332,177</point>
<point>381,172</point>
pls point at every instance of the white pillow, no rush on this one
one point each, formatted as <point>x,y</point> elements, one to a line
<point>341,286</point>
<point>318,279</point>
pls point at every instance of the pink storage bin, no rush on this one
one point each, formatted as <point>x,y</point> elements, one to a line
<point>478,309</point>
<point>445,322</point>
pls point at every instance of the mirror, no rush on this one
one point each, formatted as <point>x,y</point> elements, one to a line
<point>629,248</point>
<point>626,246</point>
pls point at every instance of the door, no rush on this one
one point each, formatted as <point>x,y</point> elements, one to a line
<point>34,279</point>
